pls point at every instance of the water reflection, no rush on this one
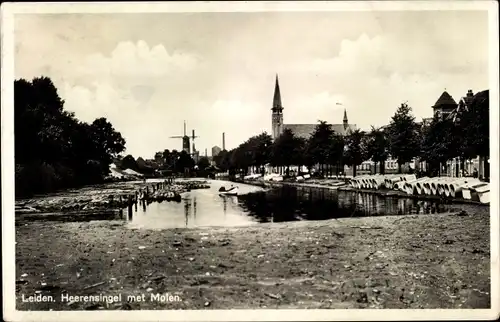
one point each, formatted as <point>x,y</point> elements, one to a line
<point>198,208</point>
<point>202,208</point>
<point>297,203</point>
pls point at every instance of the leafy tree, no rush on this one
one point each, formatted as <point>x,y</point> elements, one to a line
<point>355,152</point>
<point>378,147</point>
<point>300,158</point>
<point>437,144</point>
<point>128,162</point>
<point>185,163</point>
<point>106,137</point>
<point>241,158</point>
<point>474,122</point>
<point>222,160</point>
<point>259,149</point>
<point>159,158</point>
<point>109,142</point>
<point>403,137</point>
<point>319,144</point>
<point>336,152</point>
<point>287,150</point>
<point>166,158</point>
<point>255,152</point>
<point>472,125</point>
<point>203,163</point>
<point>144,167</point>
<point>173,159</point>
<point>54,150</point>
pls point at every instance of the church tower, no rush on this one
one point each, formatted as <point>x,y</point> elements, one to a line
<point>346,122</point>
<point>277,116</point>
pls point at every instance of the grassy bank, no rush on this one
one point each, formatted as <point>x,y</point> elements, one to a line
<point>425,261</point>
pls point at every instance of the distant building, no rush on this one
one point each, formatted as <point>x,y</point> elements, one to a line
<point>445,105</point>
<point>300,130</point>
<point>216,150</point>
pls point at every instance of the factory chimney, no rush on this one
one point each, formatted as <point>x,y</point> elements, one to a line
<point>223,141</point>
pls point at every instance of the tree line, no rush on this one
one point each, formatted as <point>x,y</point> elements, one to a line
<point>464,134</point>
<point>53,149</point>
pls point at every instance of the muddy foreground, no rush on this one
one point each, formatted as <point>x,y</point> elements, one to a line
<point>421,261</point>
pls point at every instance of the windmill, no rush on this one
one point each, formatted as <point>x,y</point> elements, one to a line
<point>186,141</point>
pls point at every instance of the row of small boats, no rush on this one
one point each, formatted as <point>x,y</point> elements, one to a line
<point>268,177</point>
<point>276,177</point>
<point>464,187</point>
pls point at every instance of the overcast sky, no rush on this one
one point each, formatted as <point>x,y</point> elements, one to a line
<point>148,72</point>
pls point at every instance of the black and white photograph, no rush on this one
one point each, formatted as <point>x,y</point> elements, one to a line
<point>250,161</point>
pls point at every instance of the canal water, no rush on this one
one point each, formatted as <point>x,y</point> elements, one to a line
<point>254,205</point>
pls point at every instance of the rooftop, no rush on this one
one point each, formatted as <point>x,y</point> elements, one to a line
<point>305,130</point>
<point>445,100</point>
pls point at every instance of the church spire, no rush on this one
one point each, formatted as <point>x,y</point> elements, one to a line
<point>277,96</point>
<point>346,122</point>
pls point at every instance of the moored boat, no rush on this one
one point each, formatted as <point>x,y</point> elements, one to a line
<point>410,185</point>
<point>454,188</point>
<point>469,188</point>
<point>231,192</point>
<point>482,193</point>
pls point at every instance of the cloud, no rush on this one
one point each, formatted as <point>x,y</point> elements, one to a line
<point>130,59</point>
<point>142,93</point>
<point>376,74</point>
<point>383,55</point>
<point>128,115</point>
<point>241,119</point>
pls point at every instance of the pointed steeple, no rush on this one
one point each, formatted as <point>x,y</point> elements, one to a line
<point>346,122</point>
<point>277,97</point>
